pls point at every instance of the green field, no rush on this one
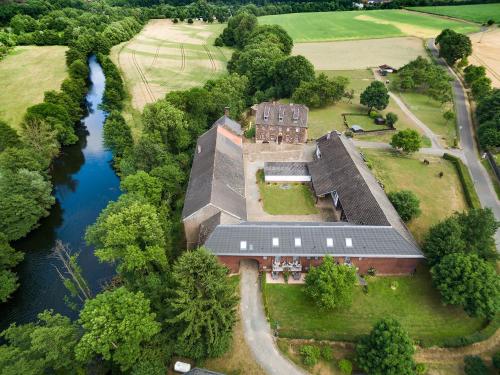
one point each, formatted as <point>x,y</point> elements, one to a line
<point>475,13</point>
<point>25,75</point>
<point>439,196</point>
<point>286,199</point>
<point>309,27</point>
<point>415,303</point>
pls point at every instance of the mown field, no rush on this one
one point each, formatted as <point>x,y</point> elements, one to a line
<point>476,13</point>
<point>327,26</point>
<point>25,75</point>
<point>165,57</point>
<point>415,303</point>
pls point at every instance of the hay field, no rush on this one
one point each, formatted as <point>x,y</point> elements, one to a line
<point>475,13</point>
<point>165,57</point>
<point>486,52</point>
<point>361,54</point>
<point>327,26</point>
<point>25,75</point>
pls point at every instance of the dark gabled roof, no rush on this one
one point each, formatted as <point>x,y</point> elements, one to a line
<point>229,124</point>
<point>285,169</point>
<point>209,225</point>
<point>202,371</point>
<point>277,114</point>
<point>217,176</point>
<point>335,170</point>
<point>367,241</point>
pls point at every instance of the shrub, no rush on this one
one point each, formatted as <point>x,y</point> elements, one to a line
<point>345,366</point>
<point>374,114</point>
<point>420,369</point>
<point>190,20</point>
<point>348,134</point>
<point>371,271</point>
<point>406,204</point>
<point>310,354</point>
<point>496,360</point>
<point>175,20</point>
<point>327,353</point>
<point>250,132</point>
<point>474,365</point>
<point>463,173</point>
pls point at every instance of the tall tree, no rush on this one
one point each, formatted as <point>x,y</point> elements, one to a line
<point>116,324</point>
<point>203,305</point>
<point>46,346</point>
<point>8,136</point>
<point>468,281</point>
<point>407,140</point>
<point>290,72</point>
<point>9,258</point>
<point>239,29</point>
<point>387,350</point>
<point>453,46</point>
<point>331,285</point>
<point>444,238</point>
<point>320,91</point>
<point>144,186</point>
<point>375,96</point>
<point>406,204</point>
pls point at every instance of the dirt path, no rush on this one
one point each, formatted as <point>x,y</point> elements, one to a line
<point>143,78</point>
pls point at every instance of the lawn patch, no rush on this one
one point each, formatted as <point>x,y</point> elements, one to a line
<point>286,199</point>
<point>415,303</point>
<point>365,121</point>
<point>26,74</point>
<point>439,196</point>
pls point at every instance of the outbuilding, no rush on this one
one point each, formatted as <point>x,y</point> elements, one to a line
<point>286,172</point>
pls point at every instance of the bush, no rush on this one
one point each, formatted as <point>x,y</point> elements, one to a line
<point>374,114</point>
<point>474,365</point>
<point>327,353</point>
<point>371,271</point>
<point>406,204</point>
<point>250,132</point>
<point>190,20</point>
<point>463,173</point>
<point>345,366</point>
<point>310,354</point>
<point>420,369</point>
<point>495,359</point>
<point>175,20</point>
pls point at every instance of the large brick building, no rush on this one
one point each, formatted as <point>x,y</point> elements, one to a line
<point>276,122</point>
<point>368,233</point>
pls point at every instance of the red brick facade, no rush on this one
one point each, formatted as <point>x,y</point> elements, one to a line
<point>383,266</point>
<point>288,134</point>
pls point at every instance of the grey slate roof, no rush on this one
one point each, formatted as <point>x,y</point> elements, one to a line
<point>291,114</point>
<point>367,241</point>
<point>336,171</point>
<point>286,168</point>
<point>217,176</point>
<point>229,124</point>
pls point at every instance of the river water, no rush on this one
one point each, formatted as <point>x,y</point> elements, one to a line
<point>84,183</point>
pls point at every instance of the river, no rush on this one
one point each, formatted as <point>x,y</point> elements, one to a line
<point>84,182</point>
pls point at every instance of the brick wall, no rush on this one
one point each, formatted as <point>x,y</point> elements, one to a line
<point>383,266</point>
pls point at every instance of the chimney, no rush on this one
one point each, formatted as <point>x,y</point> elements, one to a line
<point>226,111</point>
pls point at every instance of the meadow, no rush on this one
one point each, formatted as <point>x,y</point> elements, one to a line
<point>328,26</point>
<point>165,57</point>
<point>480,13</point>
<point>26,74</point>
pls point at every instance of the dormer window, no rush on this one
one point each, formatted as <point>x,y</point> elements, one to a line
<point>276,242</point>
<point>329,242</point>
<point>348,242</point>
<point>243,245</point>
<point>298,242</point>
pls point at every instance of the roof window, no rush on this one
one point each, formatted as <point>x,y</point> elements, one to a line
<point>348,242</point>
<point>329,242</point>
<point>298,242</point>
<point>243,245</point>
<point>276,242</point>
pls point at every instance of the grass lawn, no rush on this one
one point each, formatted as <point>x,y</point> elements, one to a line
<point>287,199</point>
<point>311,27</point>
<point>415,303</point>
<point>476,13</point>
<point>323,120</point>
<point>430,112</point>
<point>365,121</point>
<point>439,197</point>
<point>25,75</point>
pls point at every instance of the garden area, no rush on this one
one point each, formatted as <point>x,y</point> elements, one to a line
<point>287,198</point>
<point>364,121</point>
<point>439,196</point>
<point>410,299</point>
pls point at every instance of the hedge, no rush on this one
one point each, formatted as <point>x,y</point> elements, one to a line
<point>478,336</point>
<point>463,173</point>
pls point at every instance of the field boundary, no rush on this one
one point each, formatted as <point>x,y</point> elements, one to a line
<point>443,16</point>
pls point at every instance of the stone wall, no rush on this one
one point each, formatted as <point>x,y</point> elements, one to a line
<point>290,134</point>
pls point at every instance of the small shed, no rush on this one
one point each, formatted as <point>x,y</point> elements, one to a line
<point>380,121</point>
<point>286,172</point>
<point>357,129</point>
<point>384,69</point>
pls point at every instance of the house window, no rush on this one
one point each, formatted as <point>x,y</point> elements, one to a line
<point>347,260</point>
<point>265,258</point>
<point>348,242</point>
<point>316,258</point>
<point>297,130</point>
<point>298,242</point>
<point>276,242</point>
<point>329,242</point>
<point>287,129</point>
<point>243,245</point>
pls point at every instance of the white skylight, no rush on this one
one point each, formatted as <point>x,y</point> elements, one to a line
<point>298,242</point>
<point>243,245</point>
<point>276,242</point>
<point>329,242</point>
<point>348,242</point>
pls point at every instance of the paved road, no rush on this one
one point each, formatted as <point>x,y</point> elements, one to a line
<point>257,331</point>
<point>482,181</point>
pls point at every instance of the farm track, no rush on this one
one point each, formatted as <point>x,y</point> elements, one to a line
<point>183,58</point>
<point>143,78</point>
<point>154,58</point>
<point>210,57</point>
